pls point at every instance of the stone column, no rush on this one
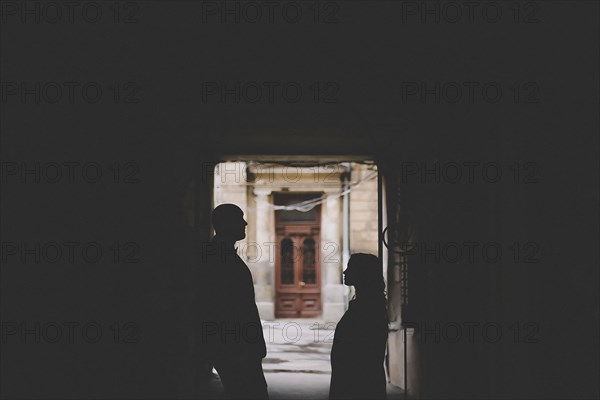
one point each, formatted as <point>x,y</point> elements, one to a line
<point>264,264</point>
<point>331,258</point>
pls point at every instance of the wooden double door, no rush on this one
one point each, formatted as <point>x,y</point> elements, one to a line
<point>297,266</point>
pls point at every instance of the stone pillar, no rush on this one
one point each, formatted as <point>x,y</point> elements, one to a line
<point>331,259</point>
<point>264,264</point>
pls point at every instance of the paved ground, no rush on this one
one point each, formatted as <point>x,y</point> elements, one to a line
<point>297,363</point>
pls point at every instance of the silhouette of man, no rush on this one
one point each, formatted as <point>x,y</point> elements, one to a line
<point>232,333</point>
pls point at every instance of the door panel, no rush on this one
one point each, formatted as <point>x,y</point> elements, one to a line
<point>287,274</point>
<point>309,273</point>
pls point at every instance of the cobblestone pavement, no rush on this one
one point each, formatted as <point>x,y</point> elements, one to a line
<point>298,346</point>
<point>297,365</point>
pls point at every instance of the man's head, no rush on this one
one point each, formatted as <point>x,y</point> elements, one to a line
<point>228,221</point>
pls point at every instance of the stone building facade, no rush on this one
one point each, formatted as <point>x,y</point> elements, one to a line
<point>303,223</point>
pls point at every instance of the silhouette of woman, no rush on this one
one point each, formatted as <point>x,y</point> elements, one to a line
<point>360,337</point>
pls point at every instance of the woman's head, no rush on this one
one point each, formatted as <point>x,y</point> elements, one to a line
<point>364,272</point>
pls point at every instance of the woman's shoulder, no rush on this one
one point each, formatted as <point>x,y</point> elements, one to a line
<point>372,305</point>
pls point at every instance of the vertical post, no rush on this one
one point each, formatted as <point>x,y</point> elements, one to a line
<point>404,328</point>
<point>391,209</point>
<point>346,227</point>
<point>380,217</point>
<point>265,293</point>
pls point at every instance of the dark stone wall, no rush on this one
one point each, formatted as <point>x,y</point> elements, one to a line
<point>372,58</point>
